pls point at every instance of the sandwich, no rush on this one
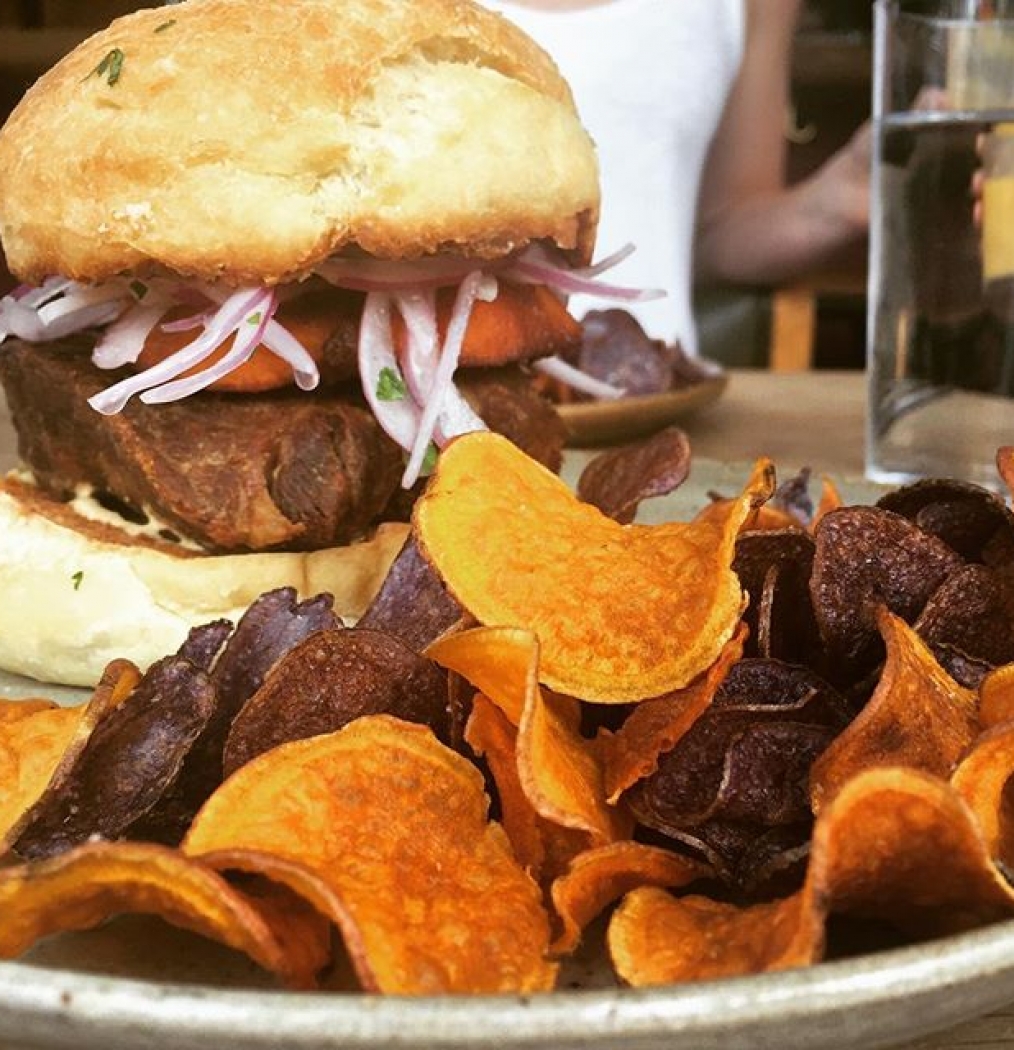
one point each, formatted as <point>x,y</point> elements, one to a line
<point>274,256</point>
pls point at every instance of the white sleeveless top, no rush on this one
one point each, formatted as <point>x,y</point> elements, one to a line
<point>650,78</point>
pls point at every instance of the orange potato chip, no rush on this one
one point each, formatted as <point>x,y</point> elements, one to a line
<point>543,849</point>
<point>391,828</point>
<point>302,931</point>
<point>87,885</point>
<point>600,876</point>
<point>15,710</point>
<point>996,697</point>
<point>622,612</point>
<point>1005,466</point>
<point>656,726</point>
<point>655,938</point>
<point>918,717</point>
<point>830,499</point>
<point>560,772</point>
<point>39,746</point>
<point>894,844</point>
<point>30,750</point>
<point>982,780</point>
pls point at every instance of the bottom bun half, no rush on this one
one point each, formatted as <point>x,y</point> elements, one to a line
<point>76,593</point>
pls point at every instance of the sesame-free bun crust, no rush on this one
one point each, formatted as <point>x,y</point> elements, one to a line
<point>246,141</point>
<point>77,594</point>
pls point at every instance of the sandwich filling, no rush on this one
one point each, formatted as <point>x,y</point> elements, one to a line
<point>401,358</point>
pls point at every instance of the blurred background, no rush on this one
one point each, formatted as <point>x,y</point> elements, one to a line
<point>818,322</point>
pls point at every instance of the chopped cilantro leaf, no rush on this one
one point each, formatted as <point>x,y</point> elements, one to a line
<point>429,460</point>
<point>255,318</point>
<point>390,386</point>
<point>77,577</point>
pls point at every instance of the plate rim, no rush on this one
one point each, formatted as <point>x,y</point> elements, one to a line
<point>201,1015</point>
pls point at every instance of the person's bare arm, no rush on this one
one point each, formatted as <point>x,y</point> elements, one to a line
<point>751,228</point>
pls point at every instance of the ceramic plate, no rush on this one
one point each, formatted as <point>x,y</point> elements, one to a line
<point>136,982</point>
<point>628,418</point>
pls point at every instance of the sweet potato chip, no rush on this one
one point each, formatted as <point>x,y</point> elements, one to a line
<point>560,772</point>
<point>39,769</point>
<point>971,613</point>
<point>919,718</point>
<point>867,557</point>
<point>129,762</point>
<point>330,679</point>
<point>617,481</point>
<point>89,884</point>
<point>736,785</point>
<point>894,845</point>
<point>275,623</point>
<point>426,893</point>
<point>655,938</point>
<point>1005,466</point>
<point>774,567</point>
<point>622,612</point>
<point>983,780</point>
<point>30,751</point>
<point>967,517</point>
<point>656,726</point>
<point>543,849</point>
<point>412,603</point>
<point>15,710</point>
<point>600,876</point>
<point>830,499</point>
<point>996,697</point>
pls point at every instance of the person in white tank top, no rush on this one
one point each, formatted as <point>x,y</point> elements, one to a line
<point>686,101</point>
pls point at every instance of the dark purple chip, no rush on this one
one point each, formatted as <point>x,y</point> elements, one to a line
<point>331,679</point>
<point>966,517</point>
<point>413,604</point>
<point>744,766</point>
<point>866,557</point>
<point>617,481</point>
<point>131,760</point>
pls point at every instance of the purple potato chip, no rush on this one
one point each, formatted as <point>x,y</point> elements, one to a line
<point>967,517</point>
<point>413,604</point>
<point>866,557</point>
<point>618,480</point>
<point>131,760</point>
<point>331,679</point>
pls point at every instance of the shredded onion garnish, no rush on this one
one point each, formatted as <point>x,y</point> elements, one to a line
<point>559,369</point>
<point>410,388</point>
<point>233,314</point>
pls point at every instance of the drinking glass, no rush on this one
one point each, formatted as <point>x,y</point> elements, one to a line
<point>940,333</point>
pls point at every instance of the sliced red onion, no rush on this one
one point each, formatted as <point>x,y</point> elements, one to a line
<point>50,288</point>
<point>80,299</point>
<point>609,262</point>
<point>399,416</point>
<point>421,355</point>
<point>282,343</point>
<point>123,341</point>
<point>248,337</point>
<point>227,319</point>
<point>476,285</point>
<point>574,377</point>
<point>188,324</point>
<point>572,282</point>
<point>381,275</point>
<point>59,307</point>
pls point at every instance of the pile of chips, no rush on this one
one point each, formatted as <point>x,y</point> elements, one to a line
<point>731,735</point>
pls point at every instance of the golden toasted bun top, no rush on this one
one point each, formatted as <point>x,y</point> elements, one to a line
<point>246,141</point>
